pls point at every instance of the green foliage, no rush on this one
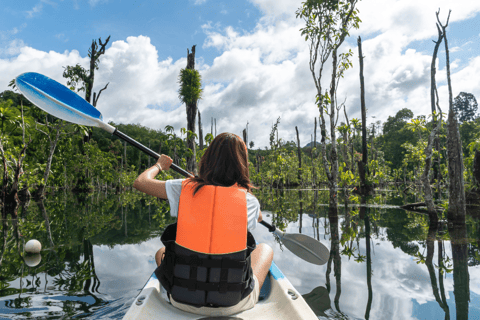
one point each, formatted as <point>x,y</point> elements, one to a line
<point>328,21</point>
<point>395,136</point>
<point>465,106</point>
<point>190,86</point>
<point>76,77</point>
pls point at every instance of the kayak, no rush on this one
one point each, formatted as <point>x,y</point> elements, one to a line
<point>278,300</point>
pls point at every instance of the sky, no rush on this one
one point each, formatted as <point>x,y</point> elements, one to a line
<point>252,58</point>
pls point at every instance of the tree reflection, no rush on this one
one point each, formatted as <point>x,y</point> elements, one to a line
<point>461,287</point>
<point>408,233</point>
<point>365,215</point>
<point>337,261</point>
<point>431,237</point>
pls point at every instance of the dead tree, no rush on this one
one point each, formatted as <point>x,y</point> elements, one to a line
<point>362,165</point>
<point>189,93</point>
<point>57,129</point>
<point>432,138</point>
<point>79,75</point>
<point>456,189</point>
<point>200,131</point>
<point>299,150</point>
<point>437,175</point>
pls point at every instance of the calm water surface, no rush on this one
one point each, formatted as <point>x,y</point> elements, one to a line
<point>98,251</point>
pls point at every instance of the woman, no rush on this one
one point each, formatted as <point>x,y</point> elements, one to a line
<point>210,264</point>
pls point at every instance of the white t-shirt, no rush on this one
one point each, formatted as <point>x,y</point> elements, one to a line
<point>174,188</point>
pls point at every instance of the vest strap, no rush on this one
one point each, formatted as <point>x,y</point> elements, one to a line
<point>195,261</point>
<point>209,286</point>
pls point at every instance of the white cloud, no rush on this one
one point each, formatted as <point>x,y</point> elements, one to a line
<point>37,9</point>
<point>8,34</point>
<point>198,2</point>
<point>12,48</point>
<point>32,60</point>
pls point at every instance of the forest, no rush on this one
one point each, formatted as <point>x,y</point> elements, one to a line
<point>43,154</point>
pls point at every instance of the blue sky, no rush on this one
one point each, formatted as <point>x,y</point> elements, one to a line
<point>172,26</point>
<point>253,61</point>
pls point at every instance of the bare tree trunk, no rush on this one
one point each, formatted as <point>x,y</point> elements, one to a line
<point>52,147</point>
<point>456,199</point>
<point>433,88</point>
<point>363,170</point>
<point>125,154</point>
<point>299,150</point>
<point>476,168</point>
<point>333,203</point>
<point>425,176</point>
<point>432,138</point>
<point>314,174</point>
<point>139,162</point>
<point>200,131</point>
<point>148,158</point>
<point>191,114</point>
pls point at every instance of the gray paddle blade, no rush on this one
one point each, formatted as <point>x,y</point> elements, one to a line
<point>305,247</point>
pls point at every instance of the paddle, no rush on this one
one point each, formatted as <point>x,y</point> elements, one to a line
<point>61,102</point>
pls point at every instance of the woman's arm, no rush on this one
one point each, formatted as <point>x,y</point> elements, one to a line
<point>147,183</point>
<point>260,218</point>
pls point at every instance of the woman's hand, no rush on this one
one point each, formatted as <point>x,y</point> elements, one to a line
<point>164,162</point>
<point>147,183</point>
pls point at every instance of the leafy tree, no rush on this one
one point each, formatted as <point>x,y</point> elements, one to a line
<point>395,134</point>
<point>465,106</point>
<point>327,24</point>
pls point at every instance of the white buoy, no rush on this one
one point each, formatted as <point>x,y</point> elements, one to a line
<point>32,260</point>
<point>33,246</point>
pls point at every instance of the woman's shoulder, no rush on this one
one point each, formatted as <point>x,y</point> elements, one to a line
<point>174,183</point>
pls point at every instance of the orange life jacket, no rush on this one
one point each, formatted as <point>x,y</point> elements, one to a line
<point>207,256</point>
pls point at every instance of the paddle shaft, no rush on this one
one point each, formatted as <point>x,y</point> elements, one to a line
<point>268,225</point>
<point>148,151</point>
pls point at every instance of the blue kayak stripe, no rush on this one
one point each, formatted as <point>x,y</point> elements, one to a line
<point>275,271</point>
<point>57,91</point>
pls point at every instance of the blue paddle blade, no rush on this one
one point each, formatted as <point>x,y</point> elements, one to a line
<point>57,100</point>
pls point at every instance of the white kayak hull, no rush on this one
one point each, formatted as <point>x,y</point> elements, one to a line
<point>278,300</point>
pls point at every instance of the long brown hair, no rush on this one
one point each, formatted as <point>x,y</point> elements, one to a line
<point>224,163</point>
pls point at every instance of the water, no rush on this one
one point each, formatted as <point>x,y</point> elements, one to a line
<point>98,251</point>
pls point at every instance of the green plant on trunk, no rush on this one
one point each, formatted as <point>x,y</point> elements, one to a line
<point>190,86</point>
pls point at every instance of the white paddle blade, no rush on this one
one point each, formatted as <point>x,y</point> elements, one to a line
<point>57,100</point>
<point>306,248</point>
